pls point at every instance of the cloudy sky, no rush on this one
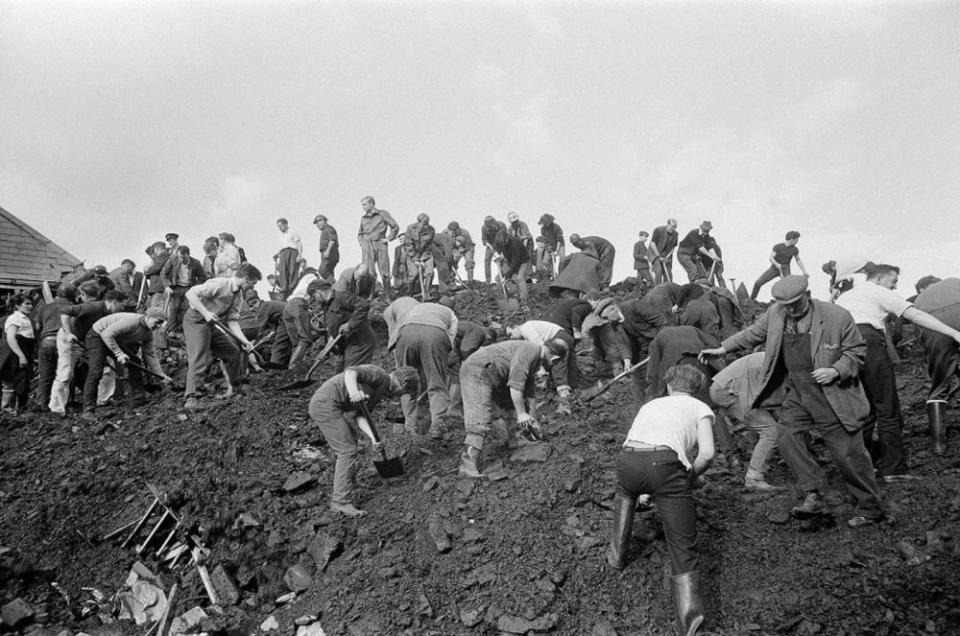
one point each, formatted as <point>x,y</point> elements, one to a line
<point>120,121</point>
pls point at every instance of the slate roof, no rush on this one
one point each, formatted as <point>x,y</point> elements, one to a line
<point>27,257</point>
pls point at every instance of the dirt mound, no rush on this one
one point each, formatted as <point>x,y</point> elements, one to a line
<point>519,553</point>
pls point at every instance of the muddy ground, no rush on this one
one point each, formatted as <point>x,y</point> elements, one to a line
<point>525,551</point>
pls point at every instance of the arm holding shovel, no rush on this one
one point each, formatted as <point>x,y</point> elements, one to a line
<point>359,397</point>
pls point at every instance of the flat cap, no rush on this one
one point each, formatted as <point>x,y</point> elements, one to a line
<point>706,226</point>
<point>155,312</point>
<point>545,219</point>
<point>172,236</point>
<point>789,289</point>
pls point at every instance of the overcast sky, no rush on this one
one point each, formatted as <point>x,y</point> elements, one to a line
<point>121,121</point>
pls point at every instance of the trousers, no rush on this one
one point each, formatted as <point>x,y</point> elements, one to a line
<point>426,348</point>
<point>341,433</point>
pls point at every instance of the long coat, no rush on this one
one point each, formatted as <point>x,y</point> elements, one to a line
<point>835,342</point>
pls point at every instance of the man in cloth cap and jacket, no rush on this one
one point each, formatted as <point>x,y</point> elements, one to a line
<point>692,247</point>
<point>815,350</point>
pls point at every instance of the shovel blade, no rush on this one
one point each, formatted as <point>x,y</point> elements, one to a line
<point>592,392</point>
<point>389,467</point>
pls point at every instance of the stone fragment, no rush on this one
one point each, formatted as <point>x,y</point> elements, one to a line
<point>16,613</point>
<point>439,535</point>
<point>532,453</point>
<point>520,625</point>
<point>471,618</point>
<point>313,629</point>
<point>223,584</point>
<point>299,481</point>
<point>297,578</point>
<point>324,548</point>
<point>186,621</point>
<point>269,624</point>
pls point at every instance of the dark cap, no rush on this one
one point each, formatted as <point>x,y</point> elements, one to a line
<point>172,236</point>
<point>706,226</point>
<point>545,219</point>
<point>789,289</point>
<point>320,217</point>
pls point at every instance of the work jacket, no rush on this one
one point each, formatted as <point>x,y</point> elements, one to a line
<point>835,342</point>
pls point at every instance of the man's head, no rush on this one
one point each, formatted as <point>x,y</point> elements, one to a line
<point>453,226</point>
<point>706,226</point>
<point>643,235</point>
<point>250,275</point>
<point>172,238</point>
<point>576,241</point>
<point>884,275</point>
<point>154,317</point>
<point>513,217</point>
<point>683,378</point>
<point>68,292</point>
<point>423,219</point>
<point>89,290</point>
<point>226,237</point>
<point>320,221</point>
<point>320,290</point>
<point>183,251</point>
<point>546,220</point>
<point>112,300</point>
<point>282,224</point>
<point>405,381</point>
<point>829,268</point>
<point>791,292</point>
<point>157,250</point>
<point>553,350</point>
<point>925,282</point>
<point>792,238</point>
<point>489,220</point>
<point>369,205</point>
<point>672,225</point>
<point>361,271</point>
<point>128,266</point>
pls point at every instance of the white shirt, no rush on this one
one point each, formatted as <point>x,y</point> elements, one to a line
<point>538,331</point>
<point>21,322</point>
<point>670,421</point>
<point>290,239</point>
<point>870,303</point>
<point>300,291</point>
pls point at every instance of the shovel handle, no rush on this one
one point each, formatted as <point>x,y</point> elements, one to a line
<point>620,375</point>
<point>373,427</point>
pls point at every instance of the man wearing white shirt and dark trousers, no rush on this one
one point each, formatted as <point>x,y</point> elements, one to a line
<point>288,258</point>
<point>656,460</point>
<point>869,303</point>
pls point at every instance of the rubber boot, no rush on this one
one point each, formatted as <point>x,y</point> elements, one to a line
<point>938,431</point>
<point>298,352</point>
<point>623,509</point>
<point>9,404</point>
<point>686,596</point>
<point>469,274</point>
<point>469,461</point>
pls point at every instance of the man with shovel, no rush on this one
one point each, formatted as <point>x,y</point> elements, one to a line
<point>295,328</point>
<point>515,264</point>
<point>211,327</point>
<point>115,335</point>
<point>502,375</point>
<point>418,245</point>
<point>565,373</point>
<point>340,407</point>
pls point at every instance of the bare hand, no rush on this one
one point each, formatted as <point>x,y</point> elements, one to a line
<point>73,338</point>
<point>24,362</point>
<point>211,317</point>
<point>825,375</point>
<point>376,447</point>
<point>122,358</point>
<point>357,396</point>
<point>710,353</point>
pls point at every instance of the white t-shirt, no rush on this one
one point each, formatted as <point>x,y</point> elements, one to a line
<point>870,303</point>
<point>300,291</point>
<point>538,331</point>
<point>670,421</point>
<point>22,323</point>
<point>290,239</point>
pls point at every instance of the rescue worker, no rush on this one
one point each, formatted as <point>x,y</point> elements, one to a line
<point>604,251</point>
<point>816,350</point>
<point>692,247</point>
<point>288,258</point>
<point>335,408</point>
<point>780,258</point>
<point>515,264</point>
<point>377,229</point>
<point>641,261</point>
<point>358,281</point>
<point>423,340</point>
<point>656,460</point>
<point>942,301</point>
<point>179,273</point>
<point>463,248</point>
<point>488,234</point>
<point>348,315</point>
<point>48,322</point>
<point>418,246</point>
<point>296,329</point>
<point>217,301</point>
<point>550,247</point>
<point>16,354</point>
<point>502,375</point>
<point>329,246</point>
<point>640,325</point>
<point>663,242</point>
<point>470,337</point>
<point>156,295</point>
<point>564,372</point>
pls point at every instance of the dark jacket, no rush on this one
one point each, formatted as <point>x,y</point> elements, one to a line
<point>418,240</point>
<point>515,253</point>
<point>569,314</point>
<point>171,268</point>
<point>641,319</point>
<point>835,342</point>
<point>155,285</point>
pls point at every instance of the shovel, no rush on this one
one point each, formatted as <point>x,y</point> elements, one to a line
<point>424,296</point>
<point>387,466</point>
<point>713,267</point>
<point>136,364</point>
<point>306,381</point>
<point>219,326</point>
<point>600,389</point>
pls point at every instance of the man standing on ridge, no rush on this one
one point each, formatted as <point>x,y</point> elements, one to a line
<point>377,229</point>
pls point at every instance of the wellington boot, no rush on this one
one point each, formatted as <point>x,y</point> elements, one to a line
<point>938,430</point>
<point>623,509</point>
<point>9,404</point>
<point>470,461</point>
<point>298,352</point>
<point>686,596</point>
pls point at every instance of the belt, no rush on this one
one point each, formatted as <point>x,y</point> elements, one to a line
<point>645,449</point>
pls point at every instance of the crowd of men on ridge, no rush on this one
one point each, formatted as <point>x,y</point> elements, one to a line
<point>807,363</point>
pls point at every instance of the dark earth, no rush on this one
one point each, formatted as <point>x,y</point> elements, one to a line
<point>437,554</point>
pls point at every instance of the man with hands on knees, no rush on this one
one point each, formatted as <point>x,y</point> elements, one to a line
<point>337,407</point>
<point>814,349</point>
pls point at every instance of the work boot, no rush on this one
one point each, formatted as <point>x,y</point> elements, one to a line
<point>563,401</point>
<point>296,355</point>
<point>757,484</point>
<point>686,596</point>
<point>623,509</point>
<point>436,430</point>
<point>88,415</point>
<point>938,430</point>
<point>9,404</point>
<point>469,461</point>
<point>811,507</point>
<point>192,403</point>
